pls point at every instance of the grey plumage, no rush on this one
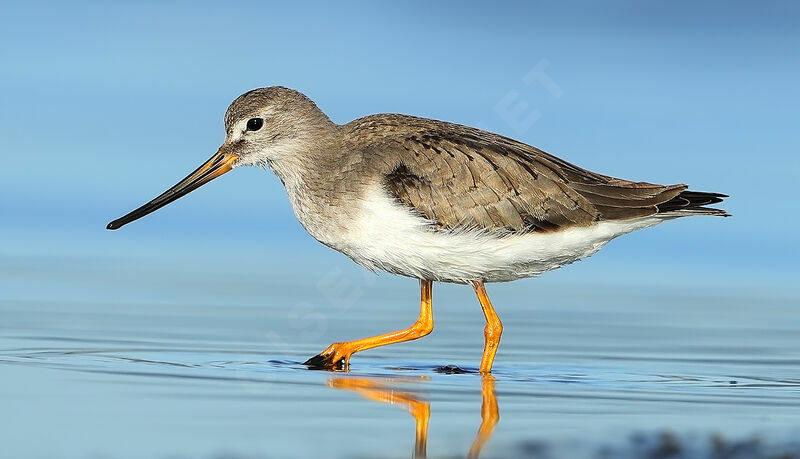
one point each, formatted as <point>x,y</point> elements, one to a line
<point>458,176</point>
<point>430,200</point>
<point>453,175</point>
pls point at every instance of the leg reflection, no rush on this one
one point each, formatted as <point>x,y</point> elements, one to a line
<point>381,390</point>
<point>374,389</point>
<point>490,414</point>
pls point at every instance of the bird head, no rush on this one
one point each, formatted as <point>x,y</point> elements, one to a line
<point>263,127</point>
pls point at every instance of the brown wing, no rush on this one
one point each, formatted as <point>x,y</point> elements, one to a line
<point>464,177</point>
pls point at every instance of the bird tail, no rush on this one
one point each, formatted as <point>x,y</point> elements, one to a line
<point>692,203</point>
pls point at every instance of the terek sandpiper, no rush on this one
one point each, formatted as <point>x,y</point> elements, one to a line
<point>430,200</point>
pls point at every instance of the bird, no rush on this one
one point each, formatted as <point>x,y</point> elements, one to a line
<point>430,200</point>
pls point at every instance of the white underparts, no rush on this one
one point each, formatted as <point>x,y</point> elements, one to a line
<point>385,235</point>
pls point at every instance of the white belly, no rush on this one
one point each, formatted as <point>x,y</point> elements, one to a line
<point>388,236</point>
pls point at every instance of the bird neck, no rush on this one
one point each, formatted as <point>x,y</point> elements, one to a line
<point>306,168</point>
<point>310,178</point>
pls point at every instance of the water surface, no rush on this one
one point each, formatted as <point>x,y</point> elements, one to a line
<point>163,360</point>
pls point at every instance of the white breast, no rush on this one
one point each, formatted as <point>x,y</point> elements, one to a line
<point>388,236</point>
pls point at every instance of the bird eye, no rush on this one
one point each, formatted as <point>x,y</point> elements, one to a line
<point>254,124</point>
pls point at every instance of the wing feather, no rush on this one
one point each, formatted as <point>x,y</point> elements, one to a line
<point>461,177</point>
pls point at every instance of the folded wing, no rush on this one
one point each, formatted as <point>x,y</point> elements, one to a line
<point>461,177</point>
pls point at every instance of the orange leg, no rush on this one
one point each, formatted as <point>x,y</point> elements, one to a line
<point>490,415</point>
<point>337,355</point>
<point>492,331</point>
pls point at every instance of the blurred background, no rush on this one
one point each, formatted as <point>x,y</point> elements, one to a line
<point>104,105</point>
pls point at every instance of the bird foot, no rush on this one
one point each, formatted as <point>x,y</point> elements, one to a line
<point>336,357</point>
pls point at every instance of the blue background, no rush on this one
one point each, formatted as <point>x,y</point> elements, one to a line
<point>104,105</point>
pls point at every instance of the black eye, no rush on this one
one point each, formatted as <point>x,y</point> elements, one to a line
<point>254,124</point>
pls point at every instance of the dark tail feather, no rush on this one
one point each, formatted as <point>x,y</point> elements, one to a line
<point>693,203</point>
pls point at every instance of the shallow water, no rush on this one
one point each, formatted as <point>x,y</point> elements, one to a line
<point>133,360</point>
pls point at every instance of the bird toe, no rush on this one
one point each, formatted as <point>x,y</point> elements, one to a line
<point>325,362</point>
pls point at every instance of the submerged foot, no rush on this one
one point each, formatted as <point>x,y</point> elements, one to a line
<point>335,357</point>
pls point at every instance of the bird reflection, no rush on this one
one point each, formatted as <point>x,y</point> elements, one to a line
<point>383,390</point>
<point>490,414</point>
